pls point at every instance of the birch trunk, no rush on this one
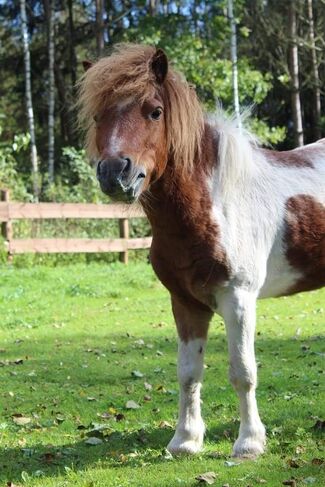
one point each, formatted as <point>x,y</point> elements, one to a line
<point>315,74</point>
<point>233,52</point>
<point>294,74</point>
<point>51,120</point>
<point>29,103</point>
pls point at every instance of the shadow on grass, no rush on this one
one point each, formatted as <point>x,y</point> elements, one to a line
<point>290,360</point>
<point>55,460</point>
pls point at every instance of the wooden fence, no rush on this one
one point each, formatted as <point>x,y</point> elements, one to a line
<point>10,211</point>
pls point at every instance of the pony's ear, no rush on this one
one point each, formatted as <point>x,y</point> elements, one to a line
<point>159,65</point>
<point>87,64</point>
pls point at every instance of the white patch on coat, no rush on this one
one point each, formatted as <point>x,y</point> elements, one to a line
<point>251,215</point>
<point>115,139</point>
<point>189,433</point>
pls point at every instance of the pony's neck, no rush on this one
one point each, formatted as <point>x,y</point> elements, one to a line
<point>180,196</point>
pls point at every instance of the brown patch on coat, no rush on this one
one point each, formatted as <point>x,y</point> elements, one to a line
<point>192,321</point>
<point>299,157</point>
<point>290,158</point>
<point>305,241</point>
<point>186,252</point>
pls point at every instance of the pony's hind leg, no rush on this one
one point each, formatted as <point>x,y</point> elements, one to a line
<point>238,310</point>
<point>192,325</point>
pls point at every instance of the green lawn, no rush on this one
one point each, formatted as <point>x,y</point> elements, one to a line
<point>78,342</point>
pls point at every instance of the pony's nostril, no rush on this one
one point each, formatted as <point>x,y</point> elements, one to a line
<point>141,175</point>
<point>127,167</point>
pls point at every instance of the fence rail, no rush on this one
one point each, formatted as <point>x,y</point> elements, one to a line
<point>10,211</point>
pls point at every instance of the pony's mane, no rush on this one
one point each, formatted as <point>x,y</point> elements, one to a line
<point>127,73</point>
<point>236,161</point>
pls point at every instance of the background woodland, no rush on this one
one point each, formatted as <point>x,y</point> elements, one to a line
<point>281,72</point>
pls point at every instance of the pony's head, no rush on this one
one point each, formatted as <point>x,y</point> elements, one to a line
<point>139,114</point>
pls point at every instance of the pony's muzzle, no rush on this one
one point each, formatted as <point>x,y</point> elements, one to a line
<point>120,178</point>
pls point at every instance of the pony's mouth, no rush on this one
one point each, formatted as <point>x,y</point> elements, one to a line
<point>121,182</point>
<point>120,192</point>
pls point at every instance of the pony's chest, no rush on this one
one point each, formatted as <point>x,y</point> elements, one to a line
<point>190,267</point>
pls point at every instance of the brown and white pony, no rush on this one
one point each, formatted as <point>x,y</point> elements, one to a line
<point>231,222</point>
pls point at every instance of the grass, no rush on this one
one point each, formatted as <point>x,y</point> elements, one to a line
<point>77,342</point>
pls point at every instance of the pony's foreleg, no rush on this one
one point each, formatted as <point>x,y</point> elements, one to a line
<point>238,309</point>
<point>192,325</point>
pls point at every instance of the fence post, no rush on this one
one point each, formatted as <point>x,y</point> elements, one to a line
<point>124,233</point>
<point>6,227</point>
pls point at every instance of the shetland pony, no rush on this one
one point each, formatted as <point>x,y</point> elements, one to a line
<point>231,222</point>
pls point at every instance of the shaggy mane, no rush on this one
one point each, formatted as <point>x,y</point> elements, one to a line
<point>236,147</point>
<point>127,73</point>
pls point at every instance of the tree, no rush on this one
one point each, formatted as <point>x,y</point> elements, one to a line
<point>315,74</point>
<point>99,27</point>
<point>294,73</point>
<point>28,97</point>
<point>49,11</point>
<point>233,50</point>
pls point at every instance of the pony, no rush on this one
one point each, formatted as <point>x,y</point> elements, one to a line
<point>231,221</point>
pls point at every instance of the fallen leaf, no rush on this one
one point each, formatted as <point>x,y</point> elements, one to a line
<point>231,464</point>
<point>207,478</point>
<point>165,425</point>
<point>290,482</point>
<point>93,441</point>
<point>132,405</point>
<point>20,420</point>
<point>48,457</point>
<point>99,430</point>
<point>293,463</point>
<point>309,480</point>
<point>11,484</point>
<point>24,476</point>
<point>119,417</point>
<point>137,374</point>
<point>317,461</point>
<point>147,386</point>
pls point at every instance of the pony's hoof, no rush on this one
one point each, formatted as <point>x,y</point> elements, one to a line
<point>249,448</point>
<point>180,447</point>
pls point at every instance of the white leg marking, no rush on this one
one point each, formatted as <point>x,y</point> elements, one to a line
<point>189,433</point>
<point>239,314</point>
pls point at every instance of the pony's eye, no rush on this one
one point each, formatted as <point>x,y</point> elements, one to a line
<point>156,114</point>
<point>95,118</point>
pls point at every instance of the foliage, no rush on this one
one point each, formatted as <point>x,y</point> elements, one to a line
<point>75,342</point>
<point>196,37</point>
<point>77,181</point>
<point>10,150</point>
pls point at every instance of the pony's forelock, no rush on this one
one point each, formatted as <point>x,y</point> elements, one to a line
<point>127,73</point>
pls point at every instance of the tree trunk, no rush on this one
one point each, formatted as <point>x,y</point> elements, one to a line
<point>29,103</point>
<point>72,53</point>
<point>294,73</point>
<point>315,74</point>
<point>233,51</point>
<point>64,110</point>
<point>48,4</point>
<point>100,27</point>
<point>153,7</point>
